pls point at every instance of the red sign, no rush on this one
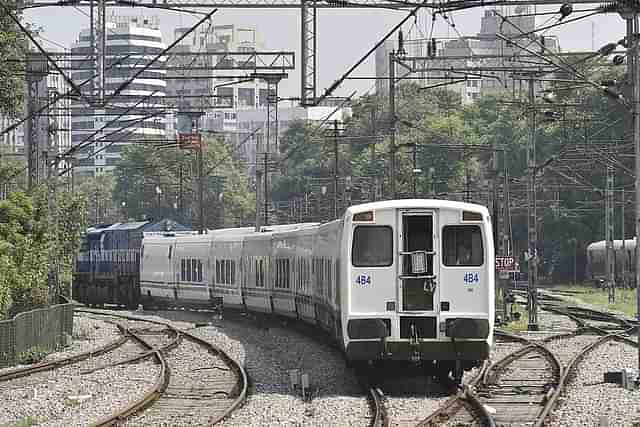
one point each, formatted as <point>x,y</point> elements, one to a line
<point>189,141</point>
<point>505,263</point>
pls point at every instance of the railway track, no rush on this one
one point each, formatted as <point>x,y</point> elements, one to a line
<point>209,389</point>
<point>523,387</point>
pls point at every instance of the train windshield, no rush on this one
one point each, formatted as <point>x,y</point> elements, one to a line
<point>372,246</point>
<point>462,245</point>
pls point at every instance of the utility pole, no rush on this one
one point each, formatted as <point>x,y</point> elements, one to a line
<point>374,180</point>
<point>51,152</point>
<point>623,277</point>
<point>259,176</point>
<point>532,303</point>
<point>200,156</point>
<point>392,118</point>
<point>335,169</point>
<point>608,231</point>
<point>415,171</point>
<point>181,192</point>
<point>36,71</point>
<point>631,17</point>
<point>632,31</point>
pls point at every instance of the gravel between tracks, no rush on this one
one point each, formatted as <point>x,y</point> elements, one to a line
<point>48,398</point>
<point>587,400</point>
<point>268,352</point>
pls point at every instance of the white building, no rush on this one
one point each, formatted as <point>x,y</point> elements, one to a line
<point>120,124</point>
<point>216,90</point>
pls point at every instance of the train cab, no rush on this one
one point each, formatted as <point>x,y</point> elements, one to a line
<point>419,282</point>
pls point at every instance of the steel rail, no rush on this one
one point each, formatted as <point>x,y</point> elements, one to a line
<point>239,392</point>
<point>55,364</point>
<point>376,398</point>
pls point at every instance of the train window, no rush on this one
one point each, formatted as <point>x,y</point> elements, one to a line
<point>183,273</point>
<point>462,245</point>
<point>260,273</point>
<point>282,274</point>
<point>232,272</point>
<point>372,246</point>
<point>329,280</point>
<point>199,271</point>
<point>188,278</point>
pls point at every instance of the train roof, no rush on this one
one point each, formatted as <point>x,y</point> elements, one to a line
<point>617,244</point>
<point>417,203</point>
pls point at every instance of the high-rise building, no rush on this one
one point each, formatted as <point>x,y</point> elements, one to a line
<point>137,113</point>
<point>207,89</point>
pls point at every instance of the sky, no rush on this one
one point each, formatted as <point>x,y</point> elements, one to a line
<point>343,35</point>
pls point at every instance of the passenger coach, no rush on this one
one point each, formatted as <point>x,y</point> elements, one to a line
<point>403,280</point>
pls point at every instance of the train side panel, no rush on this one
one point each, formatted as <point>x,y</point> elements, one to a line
<point>192,266</point>
<point>256,252</point>
<point>157,276</point>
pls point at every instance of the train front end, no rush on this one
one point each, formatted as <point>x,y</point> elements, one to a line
<point>419,283</point>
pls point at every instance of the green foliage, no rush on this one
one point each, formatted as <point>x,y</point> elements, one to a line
<point>25,242</point>
<point>100,207</point>
<point>11,52</point>
<point>162,183</point>
<point>33,355</point>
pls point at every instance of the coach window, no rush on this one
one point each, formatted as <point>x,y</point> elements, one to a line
<point>199,271</point>
<point>183,275</point>
<point>462,245</point>
<point>372,246</point>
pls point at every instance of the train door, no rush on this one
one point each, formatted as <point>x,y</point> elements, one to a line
<point>418,274</point>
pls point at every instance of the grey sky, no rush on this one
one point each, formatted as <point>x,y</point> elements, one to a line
<point>343,34</point>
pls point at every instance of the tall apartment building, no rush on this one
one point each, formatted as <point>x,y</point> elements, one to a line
<point>467,52</point>
<point>215,91</point>
<point>131,43</point>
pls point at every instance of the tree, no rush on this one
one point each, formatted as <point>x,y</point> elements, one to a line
<point>157,183</point>
<point>25,242</point>
<point>11,54</point>
<point>99,205</point>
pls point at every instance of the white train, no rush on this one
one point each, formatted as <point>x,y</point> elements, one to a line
<point>401,280</point>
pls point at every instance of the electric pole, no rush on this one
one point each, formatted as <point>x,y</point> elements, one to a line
<point>335,169</point>
<point>632,31</point>
<point>623,277</point>
<point>608,219</point>
<point>392,118</point>
<point>532,303</point>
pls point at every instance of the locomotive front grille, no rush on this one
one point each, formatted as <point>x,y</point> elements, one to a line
<point>424,326</point>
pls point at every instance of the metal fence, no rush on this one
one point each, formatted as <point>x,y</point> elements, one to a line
<point>43,329</point>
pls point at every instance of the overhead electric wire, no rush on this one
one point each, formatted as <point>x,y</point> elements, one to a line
<point>338,82</point>
<point>69,93</point>
<point>40,48</point>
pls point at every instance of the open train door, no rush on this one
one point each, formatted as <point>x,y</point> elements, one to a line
<point>418,268</point>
